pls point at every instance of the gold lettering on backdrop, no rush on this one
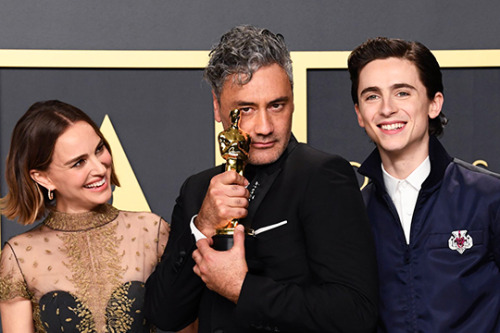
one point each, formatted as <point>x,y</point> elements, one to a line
<point>365,179</point>
<point>480,163</point>
<point>129,195</point>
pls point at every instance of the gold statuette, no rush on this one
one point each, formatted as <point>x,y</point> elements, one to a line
<point>234,148</point>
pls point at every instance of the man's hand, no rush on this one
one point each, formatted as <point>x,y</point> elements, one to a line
<point>222,271</point>
<point>226,199</point>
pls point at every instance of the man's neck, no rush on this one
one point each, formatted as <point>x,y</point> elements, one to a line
<point>401,164</point>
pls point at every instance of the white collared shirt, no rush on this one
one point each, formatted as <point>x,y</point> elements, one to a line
<point>195,231</point>
<point>404,193</point>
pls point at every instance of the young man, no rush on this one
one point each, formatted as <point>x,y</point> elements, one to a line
<point>311,266</point>
<point>435,219</point>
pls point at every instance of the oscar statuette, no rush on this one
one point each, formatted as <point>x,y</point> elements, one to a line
<point>234,147</point>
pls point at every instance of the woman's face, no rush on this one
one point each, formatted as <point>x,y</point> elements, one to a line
<point>80,171</point>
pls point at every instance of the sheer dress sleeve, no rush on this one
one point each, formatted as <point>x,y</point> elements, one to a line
<point>163,233</point>
<point>12,282</point>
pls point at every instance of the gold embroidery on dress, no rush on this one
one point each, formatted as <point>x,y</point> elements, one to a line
<point>9,289</point>
<point>118,311</point>
<point>94,263</point>
<point>39,327</point>
<point>93,259</point>
<point>86,323</point>
<point>82,221</point>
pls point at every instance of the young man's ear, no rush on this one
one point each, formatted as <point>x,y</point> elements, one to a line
<point>358,114</point>
<point>42,179</point>
<point>217,116</point>
<point>436,105</point>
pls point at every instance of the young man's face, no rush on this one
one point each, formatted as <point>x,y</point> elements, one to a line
<point>394,109</point>
<point>266,104</point>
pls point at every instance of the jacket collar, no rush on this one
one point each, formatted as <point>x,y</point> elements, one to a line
<point>439,162</point>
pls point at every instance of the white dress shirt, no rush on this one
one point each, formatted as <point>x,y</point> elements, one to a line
<point>196,233</point>
<point>404,193</point>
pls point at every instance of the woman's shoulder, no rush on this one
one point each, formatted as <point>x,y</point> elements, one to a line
<point>145,225</point>
<point>139,215</point>
<point>36,233</point>
<point>140,218</point>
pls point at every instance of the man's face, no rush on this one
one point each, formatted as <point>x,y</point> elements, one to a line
<point>394,109</point>
<point>266,104</point>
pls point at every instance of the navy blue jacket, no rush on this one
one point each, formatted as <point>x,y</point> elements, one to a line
<point>427,286</point>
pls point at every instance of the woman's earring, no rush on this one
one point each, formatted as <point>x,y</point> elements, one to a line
<point>50,194</point>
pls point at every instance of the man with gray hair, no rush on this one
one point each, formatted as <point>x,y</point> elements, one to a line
<point>310,266</point>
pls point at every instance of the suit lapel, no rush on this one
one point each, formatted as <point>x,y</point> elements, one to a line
<point>263,180</point>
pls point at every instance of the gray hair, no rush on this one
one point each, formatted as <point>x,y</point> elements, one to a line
<point>242,51</point>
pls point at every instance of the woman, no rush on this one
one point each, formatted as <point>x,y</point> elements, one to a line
<point>82,269</point>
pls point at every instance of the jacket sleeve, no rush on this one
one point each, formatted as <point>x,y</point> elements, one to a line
<point>340,294</point>
<point>495,231</point>
<point>173,290</point>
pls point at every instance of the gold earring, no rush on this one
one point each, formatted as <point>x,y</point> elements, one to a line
<point>50,194</point>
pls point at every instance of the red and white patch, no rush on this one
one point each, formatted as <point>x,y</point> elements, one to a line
<point>460,241</point>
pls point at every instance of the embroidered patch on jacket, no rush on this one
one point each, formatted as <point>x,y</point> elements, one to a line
<point>460,241</point>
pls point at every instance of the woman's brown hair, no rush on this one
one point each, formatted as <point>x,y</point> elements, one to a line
<point>31,148</point>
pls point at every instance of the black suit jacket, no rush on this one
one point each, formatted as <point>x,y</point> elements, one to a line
<point>316,273</point>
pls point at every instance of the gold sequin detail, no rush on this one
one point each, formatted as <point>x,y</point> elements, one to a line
<point>102,215</point>
<point>39,326</point>
<point>118,316</point>
<point>96,273</point>
<point>10,288</point>
<point>86,323</point>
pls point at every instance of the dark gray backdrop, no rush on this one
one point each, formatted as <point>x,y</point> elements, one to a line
<point>164,117</point>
